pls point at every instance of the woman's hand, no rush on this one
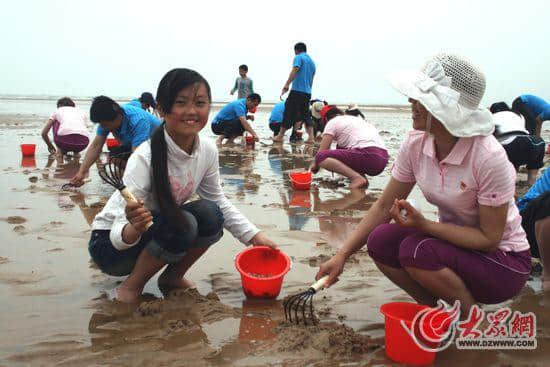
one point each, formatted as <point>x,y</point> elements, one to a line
<point>333,267</point>
<point>406,215</point>
<point>313,167</point>
<point>138,216</point>
<point>260,239</point>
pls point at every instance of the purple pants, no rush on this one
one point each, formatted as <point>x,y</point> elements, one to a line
<point>366,161</point>
<point>491,277</point>
<point>69,143</point>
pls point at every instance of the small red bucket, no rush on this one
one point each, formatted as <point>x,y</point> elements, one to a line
<point>28,149</point>
<point>112,143</point>
<point>249,140</point>
<point>400,346</point>
<point>300,180</point>
<point>262,271</point>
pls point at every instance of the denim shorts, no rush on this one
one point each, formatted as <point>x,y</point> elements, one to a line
<point>161,240</point>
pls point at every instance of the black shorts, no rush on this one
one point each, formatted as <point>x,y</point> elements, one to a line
<point>521,108</point>
<point>318,126</point>
<point>536,210</point>
<point>229,128</point>
<point>526,150</point>
<point>296,108</point>
<point>275,127</point>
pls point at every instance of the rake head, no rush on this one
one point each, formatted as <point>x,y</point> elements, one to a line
<point>301,305</point>
<point>113,170</point>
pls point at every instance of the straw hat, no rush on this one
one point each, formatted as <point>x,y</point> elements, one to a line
<point>450,88</point>
<point>316,108</point>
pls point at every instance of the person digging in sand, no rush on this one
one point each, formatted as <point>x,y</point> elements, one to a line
<point>477,251</point>
<point>360,150</point>
<point>163,174</point>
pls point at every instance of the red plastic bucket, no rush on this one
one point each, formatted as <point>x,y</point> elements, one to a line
<point>28,149</point>
<point>300,180</point>
<point>262,271</point>
<point>249,139</point>
<point>400,346</point>
<point>112,143</point>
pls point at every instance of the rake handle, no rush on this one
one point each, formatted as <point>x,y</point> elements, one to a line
<point>130,198</point>
<point>320,283</point>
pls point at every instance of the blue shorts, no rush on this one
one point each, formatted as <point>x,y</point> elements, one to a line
<point>161,240</point>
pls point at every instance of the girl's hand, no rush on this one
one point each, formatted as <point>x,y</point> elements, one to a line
<point>138,216</point>
<point>406,215</point>
<point>260,239</point>
<point>52,149</point>
<point>333,267</point>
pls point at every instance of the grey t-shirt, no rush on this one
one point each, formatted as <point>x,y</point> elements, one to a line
<point>244,86</point>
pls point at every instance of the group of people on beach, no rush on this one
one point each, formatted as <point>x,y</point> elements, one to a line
<point>479,251</point>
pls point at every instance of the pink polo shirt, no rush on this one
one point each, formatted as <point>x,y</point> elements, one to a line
<point>476,172</point>
<point>353,132</point>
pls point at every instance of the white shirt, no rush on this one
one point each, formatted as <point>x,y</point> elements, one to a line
<point>189,174</point>
<point>71,121</point>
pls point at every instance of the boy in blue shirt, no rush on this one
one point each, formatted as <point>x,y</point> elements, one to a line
<point>129,124</point>
<point>231,122</point>
<point>297,103</point>
<point>276,117</point>
<point>534,208</point>
<point>535,110</point>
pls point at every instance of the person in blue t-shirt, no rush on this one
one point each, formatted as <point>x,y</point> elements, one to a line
<point>231,122</point>
<point>130,125</point>
<point>534,208</point>
<point>146,102</point>
<point>535,110</point>
<point>276,118</point>
<point>297,103</point>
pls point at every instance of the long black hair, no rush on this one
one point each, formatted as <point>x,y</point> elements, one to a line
<point>169,87</point>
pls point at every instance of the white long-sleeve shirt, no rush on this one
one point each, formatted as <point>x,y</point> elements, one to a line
<point>188,174</point>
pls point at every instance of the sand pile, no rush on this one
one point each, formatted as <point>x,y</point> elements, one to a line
<point>334,340</point>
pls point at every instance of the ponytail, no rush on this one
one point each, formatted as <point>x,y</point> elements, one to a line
<point>161,182</point>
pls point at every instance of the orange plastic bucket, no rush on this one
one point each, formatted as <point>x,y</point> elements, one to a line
<point>28,149</point>
<point>112,143</point>
<point>400,346</point>
<point>300,180</point>
<point>262,271</point>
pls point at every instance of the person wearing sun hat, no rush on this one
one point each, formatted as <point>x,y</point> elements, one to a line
<point>477,251</point>
<point>315,112</point>
<point>353,110</point>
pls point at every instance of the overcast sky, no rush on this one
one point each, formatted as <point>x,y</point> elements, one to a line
<point>121,48</point>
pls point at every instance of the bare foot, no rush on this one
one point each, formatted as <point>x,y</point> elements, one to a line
<point>309,141</point>
<point>359,182</point>
<point>277,139</point>
<point>219,140</point>
<point>127,295</point>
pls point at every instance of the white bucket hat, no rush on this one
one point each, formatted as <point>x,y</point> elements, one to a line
<point>316,108</point>
<point>450,88</point>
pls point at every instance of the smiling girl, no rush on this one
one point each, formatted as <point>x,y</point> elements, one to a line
<point>163,174</point>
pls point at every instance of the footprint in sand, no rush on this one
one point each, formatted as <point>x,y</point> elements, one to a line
<point>4,260</point>
<point>20,229</point>
<point>33,179</point>
<point>15,219</point>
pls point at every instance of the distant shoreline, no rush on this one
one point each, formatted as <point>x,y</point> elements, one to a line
<point>264,105</point>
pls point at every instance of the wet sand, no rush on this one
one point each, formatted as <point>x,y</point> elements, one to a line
<point>58,307</point>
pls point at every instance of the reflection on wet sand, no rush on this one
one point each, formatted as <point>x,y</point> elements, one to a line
<point>60,305</point>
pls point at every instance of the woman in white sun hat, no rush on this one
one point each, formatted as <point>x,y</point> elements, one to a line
<point>477,251</point>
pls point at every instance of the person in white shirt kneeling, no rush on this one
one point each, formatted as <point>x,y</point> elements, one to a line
<point>163,174</point>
